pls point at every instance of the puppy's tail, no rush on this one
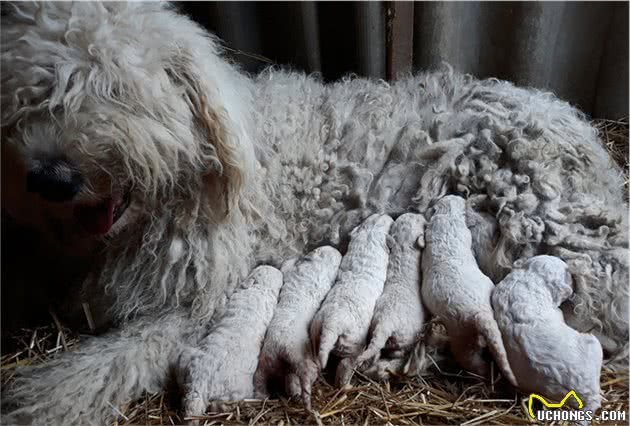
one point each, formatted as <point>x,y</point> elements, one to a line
<point>88,385</point>
<point>489,329</point>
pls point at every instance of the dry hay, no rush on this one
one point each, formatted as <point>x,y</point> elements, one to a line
<point>439,397</point>
<point>614,135</point>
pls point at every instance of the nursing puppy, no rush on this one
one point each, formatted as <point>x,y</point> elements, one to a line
<point>455,290</point>
<point>131,144</point>
<point>224,367</point>
<point>342,323</point>
<point>287,354</point>
<point>399,316</point>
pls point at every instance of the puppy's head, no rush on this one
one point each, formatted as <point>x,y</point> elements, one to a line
<point>113,113</point>
<point>553,272</point>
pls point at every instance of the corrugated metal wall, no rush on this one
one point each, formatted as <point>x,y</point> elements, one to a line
<point>577,50</point>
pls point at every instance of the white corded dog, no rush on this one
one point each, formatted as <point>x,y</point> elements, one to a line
<point>127,136</point>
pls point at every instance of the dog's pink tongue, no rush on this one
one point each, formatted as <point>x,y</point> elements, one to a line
<point>97,219</point>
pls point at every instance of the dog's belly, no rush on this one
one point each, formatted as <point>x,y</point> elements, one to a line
<point>325,200</point>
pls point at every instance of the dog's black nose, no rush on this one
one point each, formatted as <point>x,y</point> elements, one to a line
<point>54,181</point>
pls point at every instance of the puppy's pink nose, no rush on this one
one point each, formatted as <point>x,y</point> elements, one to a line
<point>54,181</point>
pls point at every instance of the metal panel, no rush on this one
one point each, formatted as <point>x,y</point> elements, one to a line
<point>450,32</point>
<point>370,27</point>
<point>307,29</point>
<point>612,86</point>
<point>578,50</point>
<point>399,38</point>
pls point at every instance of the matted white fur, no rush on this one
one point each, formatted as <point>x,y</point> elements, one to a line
<point>226,171</point>
<point>547,356</point>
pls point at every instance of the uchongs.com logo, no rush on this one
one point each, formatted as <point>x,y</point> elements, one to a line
<point>552,412</point>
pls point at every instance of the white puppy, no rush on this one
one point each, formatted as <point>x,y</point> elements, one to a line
<point>399,315</point>
<point>342,324</point>
<point>287,349</point>
<point>223,370</point>
<point>546,355</point>
<point>454,289</point>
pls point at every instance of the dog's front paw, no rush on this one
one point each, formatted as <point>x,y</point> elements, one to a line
<point>193,404</point>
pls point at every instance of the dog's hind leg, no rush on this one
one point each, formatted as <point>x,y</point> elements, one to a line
<point>87,386</point>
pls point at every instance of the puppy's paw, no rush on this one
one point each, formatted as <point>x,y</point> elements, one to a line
<point>193,405</point>
<point>384,369</point>
<point>292,386</point>
<point>345,370</point>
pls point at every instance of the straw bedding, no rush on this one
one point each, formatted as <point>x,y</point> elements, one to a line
<point>441,396</point>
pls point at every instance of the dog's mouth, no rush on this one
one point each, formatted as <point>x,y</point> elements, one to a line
<point>98,219</point>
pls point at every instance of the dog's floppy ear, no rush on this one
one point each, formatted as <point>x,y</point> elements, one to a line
<point>226,179</point>
<point>223,143</point>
